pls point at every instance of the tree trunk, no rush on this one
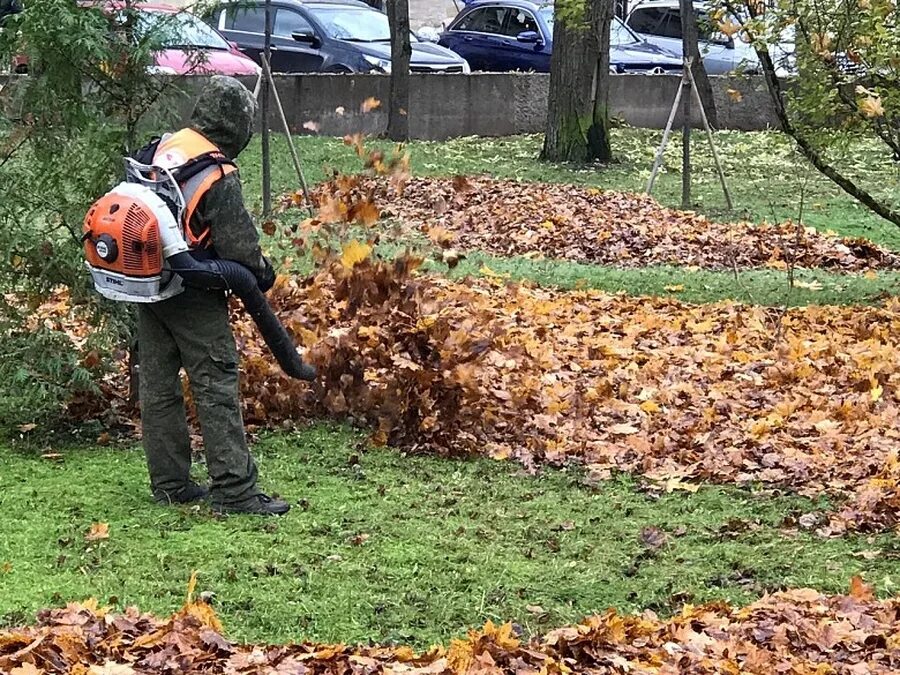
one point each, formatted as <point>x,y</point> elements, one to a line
<point>401,51</point>
<point>577,114</point>
<point>691,49</point>
<point>599,145</point>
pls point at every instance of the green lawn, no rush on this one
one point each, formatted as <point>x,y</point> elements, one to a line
<point>415,549</point>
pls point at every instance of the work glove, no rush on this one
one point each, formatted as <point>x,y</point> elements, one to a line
<point>266,280</point>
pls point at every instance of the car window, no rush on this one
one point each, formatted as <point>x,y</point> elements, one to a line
<point>287,22</point>
<point>179,29</point>
<point>246,19</point>
<point>646,20</point>
<point>520,21</point>
<point>620,34</point>
<point>483,20</point>
<point>670,26</point>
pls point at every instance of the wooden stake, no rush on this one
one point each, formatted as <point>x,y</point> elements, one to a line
<point>665,141</point>
<point>712,145</point>
<point>287,132</point>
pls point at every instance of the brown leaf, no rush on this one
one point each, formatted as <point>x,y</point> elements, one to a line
<point>653,538</point>
<point>268,227</point>
<point>860,590</point>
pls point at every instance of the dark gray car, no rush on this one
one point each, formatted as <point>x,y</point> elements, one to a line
<point>332,36</point>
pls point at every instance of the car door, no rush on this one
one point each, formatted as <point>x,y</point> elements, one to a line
<point>245,24</point>
<point>290,54</point>
<point>529,54</point>
<point>476,37</point>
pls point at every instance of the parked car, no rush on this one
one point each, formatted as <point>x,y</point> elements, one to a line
<point>505,35</point>
<point>659,21</point>
<point>190,46</point>
<point>332,36</point>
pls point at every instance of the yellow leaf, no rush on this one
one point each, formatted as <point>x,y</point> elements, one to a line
<point>370,104</point>
<point>548,225</point>
<point>729,27</point>
<point>871,106</point>
<point>808,285</point>
<point>735,95</point>
<point>650,406</point>
<point>876,391</point>
<point>97,532</point>
<point>677,288</point>
<point>486,271</point>
<point>871,275</point>
<point>354,253</point>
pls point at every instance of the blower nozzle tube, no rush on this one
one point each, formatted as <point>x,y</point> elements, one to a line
<point>229,275</point>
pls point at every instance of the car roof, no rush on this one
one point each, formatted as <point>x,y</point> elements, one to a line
<point>665,3</point>
<point>305,3</point>
<point>524,4</point>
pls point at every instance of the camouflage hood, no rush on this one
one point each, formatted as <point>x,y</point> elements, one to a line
<point>224,113</point>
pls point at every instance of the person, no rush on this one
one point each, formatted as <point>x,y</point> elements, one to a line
<point>191,330</point>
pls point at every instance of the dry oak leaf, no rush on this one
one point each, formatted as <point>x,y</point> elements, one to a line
<point>861,590</point>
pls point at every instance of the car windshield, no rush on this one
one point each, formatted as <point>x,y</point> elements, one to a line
<point>619,33</point>
<point>354,24</point>
<point>180,29</point>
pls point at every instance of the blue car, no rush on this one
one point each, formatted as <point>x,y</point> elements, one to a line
<point>506,35</point>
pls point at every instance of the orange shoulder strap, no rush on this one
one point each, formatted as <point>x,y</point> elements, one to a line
<point>180,148</point>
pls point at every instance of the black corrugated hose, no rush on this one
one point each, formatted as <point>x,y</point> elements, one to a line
<point>227,275</point>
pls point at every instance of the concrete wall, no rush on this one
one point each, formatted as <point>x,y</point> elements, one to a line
<point>501,104</point>
<point>483,104</point>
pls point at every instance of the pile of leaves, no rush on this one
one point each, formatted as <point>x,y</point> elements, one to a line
<point>798,631</point>
<point>805,398</point>
<point>611,228</point>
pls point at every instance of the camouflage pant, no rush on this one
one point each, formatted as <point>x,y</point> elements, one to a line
<point>192,331</point>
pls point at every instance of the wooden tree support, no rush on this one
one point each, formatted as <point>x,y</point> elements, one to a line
<point>267,72</point>
<point>687,82</point>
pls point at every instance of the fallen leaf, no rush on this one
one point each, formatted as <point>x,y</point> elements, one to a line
<point>735,95</point>
<point>268,227</point>
<point>97,532</point>
<point>653,538</point>
<point>370,104</point>
<point>354,253</point>
<point>860,590</point>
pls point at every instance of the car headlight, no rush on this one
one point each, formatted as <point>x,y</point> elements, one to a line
<point>467,69</point>
<point>383,65</point>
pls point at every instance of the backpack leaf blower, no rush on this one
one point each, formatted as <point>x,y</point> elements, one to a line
<point>136,251</point>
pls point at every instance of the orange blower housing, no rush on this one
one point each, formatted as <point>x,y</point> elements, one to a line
<point>122,236</point>
<point>128,235</point>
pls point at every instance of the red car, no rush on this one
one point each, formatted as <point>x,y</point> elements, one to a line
<point>195,47</point>
<point>191,47</point>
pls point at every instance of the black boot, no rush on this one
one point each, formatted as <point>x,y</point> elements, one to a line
<point>187,494</point>
<point>260,505</point>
